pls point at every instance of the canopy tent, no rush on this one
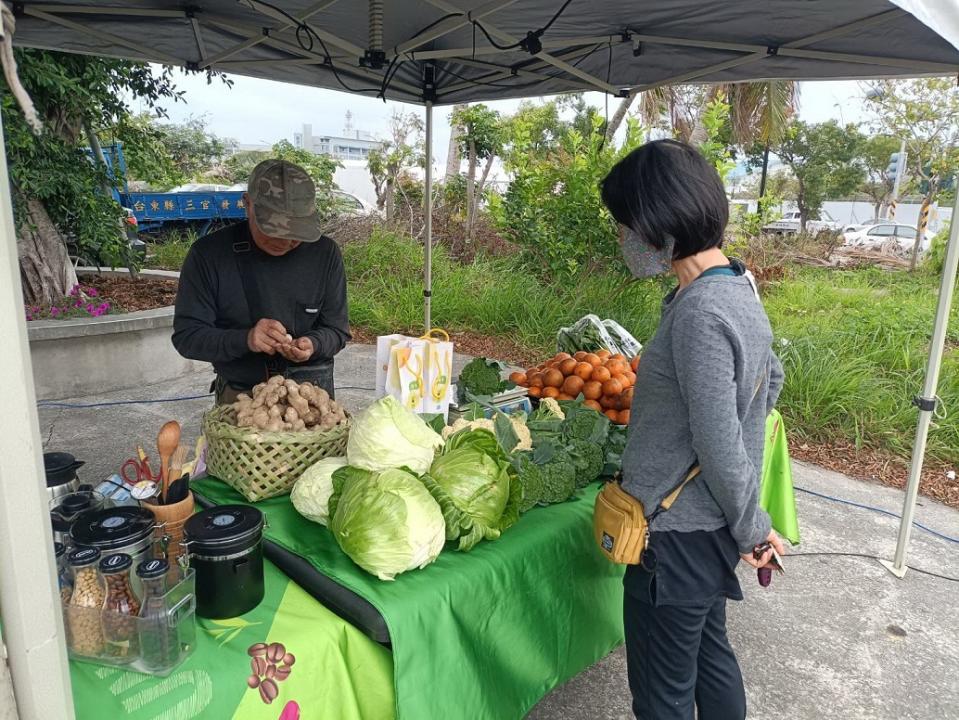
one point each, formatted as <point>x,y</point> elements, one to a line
<point>429,52</point>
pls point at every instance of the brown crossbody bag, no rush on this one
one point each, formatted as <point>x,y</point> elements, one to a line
<point>620,525</point>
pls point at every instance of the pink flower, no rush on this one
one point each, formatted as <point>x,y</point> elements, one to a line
<point>92,292</point>
<point>90,307</point>
<point>54,311</point>
<point>104,307</point>
<point>75,290</point>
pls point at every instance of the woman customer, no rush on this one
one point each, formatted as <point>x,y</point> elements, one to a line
<point>707,381</point>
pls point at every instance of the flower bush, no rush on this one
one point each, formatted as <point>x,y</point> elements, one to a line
<point>82,301</point>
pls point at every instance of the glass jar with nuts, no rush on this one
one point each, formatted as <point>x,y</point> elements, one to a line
<point>120,608</point>
<point>85,636</point>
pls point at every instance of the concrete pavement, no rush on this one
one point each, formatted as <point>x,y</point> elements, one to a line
<point>835,639</point>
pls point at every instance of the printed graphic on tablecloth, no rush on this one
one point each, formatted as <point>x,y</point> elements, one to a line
<point>270,664</point>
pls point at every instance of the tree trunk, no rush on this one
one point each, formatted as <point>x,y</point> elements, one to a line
<point>453,153</point>
<point>618,117</point>
<point>470,191</point>
<point>45,268</point>
<point>390,200</point>
<point>921,235</point>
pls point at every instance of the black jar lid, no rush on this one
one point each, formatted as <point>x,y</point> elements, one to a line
<point>113,527</point>
<point>60,524</point>
<point>76,502</point>
<point>59,467</point>
<point>150,569</point>
<point>81,557</point>
<point>113,564</point>
<point>222,529</point>
<point>59,549</point>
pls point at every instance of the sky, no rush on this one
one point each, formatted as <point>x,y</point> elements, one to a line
<point>264,111</point>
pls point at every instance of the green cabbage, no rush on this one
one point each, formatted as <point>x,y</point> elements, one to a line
<point>386,521</point>
<point>311,492</point>
<point>387,435</point>
<point>476,487</point>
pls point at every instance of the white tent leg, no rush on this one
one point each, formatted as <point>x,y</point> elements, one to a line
<point>948,285</point>
<point>29,596</point>
<point>428,210</point>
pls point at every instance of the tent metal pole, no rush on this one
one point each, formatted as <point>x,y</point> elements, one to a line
<point>927,402</point>
<point>428,211</point>
<point>29,593</point>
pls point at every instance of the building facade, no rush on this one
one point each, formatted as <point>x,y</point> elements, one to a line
<point>352,145</point>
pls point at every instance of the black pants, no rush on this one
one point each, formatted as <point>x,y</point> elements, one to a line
<point>679,659</point>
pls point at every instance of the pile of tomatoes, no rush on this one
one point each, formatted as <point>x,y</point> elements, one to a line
<point>603,379</point>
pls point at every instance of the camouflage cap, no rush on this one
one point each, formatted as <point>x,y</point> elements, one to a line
<point>283,197</point>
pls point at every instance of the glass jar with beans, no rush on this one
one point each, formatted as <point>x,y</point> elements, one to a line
<point>121,607</point>
<point>64,578</point>
<point>83,611</point>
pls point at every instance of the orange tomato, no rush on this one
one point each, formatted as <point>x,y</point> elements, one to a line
<point>623,417</point>
<point>600,375</point>
<point>612,415</point>
<point>535,379</point>
<point>559,357</point>
<point>631,376</point>
<point>583,370</point>
<point>564,396</point>
<point>535,392</point>
<point>603,354</point>
<point>581,355</point>
<point>573,386</point>
<point>519,378</point>
<point>550,392</point>
<point>634,364</point>
<point>594,405</point>
<point>612,388</point>
<point>593,390</point>
<point>618,356</point>
<point>552,378</point>
<point>606,402</point>
<point>593,359</point>
<point>617,367</point>
<point>568,366</point>
<point>627,398</point>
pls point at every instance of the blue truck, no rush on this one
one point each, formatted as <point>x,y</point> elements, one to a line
<point>153,210</point>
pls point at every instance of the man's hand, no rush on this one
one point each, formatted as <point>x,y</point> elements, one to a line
<point>300,350</point>
<point>267,336</point>
<point>774,540</point>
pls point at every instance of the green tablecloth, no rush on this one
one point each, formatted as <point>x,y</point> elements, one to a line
<point>483,634</point>
<point>339,673</point>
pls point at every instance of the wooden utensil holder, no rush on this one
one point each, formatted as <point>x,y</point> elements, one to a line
<point>172,518</point>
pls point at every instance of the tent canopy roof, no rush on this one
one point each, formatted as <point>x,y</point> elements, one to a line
<point>446,51</point>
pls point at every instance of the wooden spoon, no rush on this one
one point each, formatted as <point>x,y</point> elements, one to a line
<point>167,440</point>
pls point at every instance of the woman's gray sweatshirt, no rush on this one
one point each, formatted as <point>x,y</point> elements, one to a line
<point>696,400</point>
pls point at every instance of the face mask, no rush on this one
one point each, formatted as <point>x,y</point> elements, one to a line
<point>642,259</point>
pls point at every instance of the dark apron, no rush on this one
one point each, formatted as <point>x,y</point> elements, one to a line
<point>320,373</point>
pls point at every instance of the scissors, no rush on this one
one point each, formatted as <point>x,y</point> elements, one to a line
<point>143,481</point>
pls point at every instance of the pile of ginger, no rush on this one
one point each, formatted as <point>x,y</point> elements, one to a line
<point>281,404</point>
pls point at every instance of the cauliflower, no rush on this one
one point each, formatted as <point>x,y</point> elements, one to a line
<point>519,427</point>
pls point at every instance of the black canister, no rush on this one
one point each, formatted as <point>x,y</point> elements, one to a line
<point>225,547</point>
<point>117,530</point>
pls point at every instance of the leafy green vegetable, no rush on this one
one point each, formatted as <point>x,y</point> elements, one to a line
<point>311,492</point>
<point>386,521</point>
<point>546,475</point>
<point>475,486</point>
<point>482,378</point>
<point>615,446</point>
<point>388,435</point>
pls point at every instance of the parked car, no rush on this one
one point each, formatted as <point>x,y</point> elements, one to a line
<point>789,223</point>
<point>852,227</point>
<point>882,232</point>
<point>348,204</point>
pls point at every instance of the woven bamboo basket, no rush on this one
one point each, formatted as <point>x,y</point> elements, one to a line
<point>260,464</point>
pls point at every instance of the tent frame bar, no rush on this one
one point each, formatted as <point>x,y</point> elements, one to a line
<point>937,347</point>
<point>428,212</point>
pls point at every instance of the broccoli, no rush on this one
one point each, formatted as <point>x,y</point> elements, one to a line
<point>588,460</point>
<point>551,482</point>
<point>586,424</point>
<point>481,377</point>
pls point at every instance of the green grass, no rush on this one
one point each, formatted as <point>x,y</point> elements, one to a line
<point>169,252</point>
<point>855,341</point>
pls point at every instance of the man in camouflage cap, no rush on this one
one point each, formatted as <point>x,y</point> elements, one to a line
<point>266,296</point>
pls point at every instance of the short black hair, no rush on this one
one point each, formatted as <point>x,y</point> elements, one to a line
<point>664,188</point>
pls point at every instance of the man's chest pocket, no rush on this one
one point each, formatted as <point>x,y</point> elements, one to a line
<point>305,319</point>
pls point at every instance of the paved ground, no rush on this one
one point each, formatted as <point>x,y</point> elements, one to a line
<point>836,639</point>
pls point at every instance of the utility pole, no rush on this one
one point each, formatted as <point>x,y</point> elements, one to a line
<point>895,171</point>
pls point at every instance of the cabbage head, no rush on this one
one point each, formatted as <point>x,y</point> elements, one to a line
<point>387,435</point>
<point>387,522</point>
<point>476,486</point>
<point>311,492</point>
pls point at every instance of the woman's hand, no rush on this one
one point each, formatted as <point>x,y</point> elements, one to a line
<point>774,540</point>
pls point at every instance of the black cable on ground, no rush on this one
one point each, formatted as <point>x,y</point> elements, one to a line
<point>870,557</point>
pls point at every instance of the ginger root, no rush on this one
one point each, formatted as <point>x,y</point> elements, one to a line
<point>283,404</point>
